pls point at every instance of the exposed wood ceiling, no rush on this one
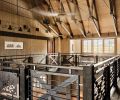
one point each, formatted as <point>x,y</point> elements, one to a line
<point>75,18</point>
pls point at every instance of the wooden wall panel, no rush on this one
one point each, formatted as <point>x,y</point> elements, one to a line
<point>118,45</point>
<point>65,46</point>
<point>57,45</point>
<point>30,46</point>
<point>17,21</point>
<point>75,46</point>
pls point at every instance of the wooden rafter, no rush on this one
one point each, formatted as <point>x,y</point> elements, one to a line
<point>53,8</point>
<point>71,23</point>
<point>62,24</point>
<point>60,34</point>
<point>78,22</point>
<point>113,14</point>
<point>83,28</point>
<point>95,20</point>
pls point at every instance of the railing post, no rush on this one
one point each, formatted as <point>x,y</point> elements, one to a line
<point>76,60</point>
<point>25,83</point>
<point>22,83</point>
<point>115,73</point>
<point>96,59</point>
<point>118,67</point>
<point>59,59</point>
<point>28,84</point>
<point>78,85</point>
<point>107,83</point>
<point>88,82</point>
<point>47,59</point>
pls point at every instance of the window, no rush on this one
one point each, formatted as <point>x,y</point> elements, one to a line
<point>109,46</point>
<point>87,46</point>
<point>98,46</point>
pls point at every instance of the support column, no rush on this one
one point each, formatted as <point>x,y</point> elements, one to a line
<point>88,82</point>
<point>96,59</point>
<point>22,83</point>
<point>115,74</point>
<point>49,78</point>
<point>28,81</point>
<point>76,60</point>
<point>107,83</point>
<point>78,87</point>
<point>28,84</point>
<point>118,67</point>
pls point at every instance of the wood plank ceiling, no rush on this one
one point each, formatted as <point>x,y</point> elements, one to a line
<point>78,18</point>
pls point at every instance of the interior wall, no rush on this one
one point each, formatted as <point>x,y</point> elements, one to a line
<point>17,21</point>
<point>57,45</point>
<point>18,17</point>
<point>65,45</point>
<point>30,46</point>
<point>75,46</point>
<point>118,45</point>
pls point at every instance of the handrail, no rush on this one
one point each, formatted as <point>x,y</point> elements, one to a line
<point>43,65</point>
<point>55,54</point>
<point>105,61</point>
<point>21,55</point>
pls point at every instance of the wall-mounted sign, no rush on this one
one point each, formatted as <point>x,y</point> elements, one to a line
<point>13,45</point>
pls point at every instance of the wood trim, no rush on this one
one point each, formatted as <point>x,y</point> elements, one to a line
<point>21,35</point>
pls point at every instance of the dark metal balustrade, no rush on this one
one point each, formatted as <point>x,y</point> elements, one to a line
<point>88,82</point>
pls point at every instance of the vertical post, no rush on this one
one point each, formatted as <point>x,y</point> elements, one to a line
<point>22,83</point>
<point>75,59</point>
<point>115,73</point>
<point>49,78</point>
<point>47,59</point>
<point>118,67</point>
<point>59,59</point>
<point>96,60</point>
<point>107,83</point>
<point>88,82</point>
<point>28,84</point>
<point>78,59</point>
<point>78,87</point>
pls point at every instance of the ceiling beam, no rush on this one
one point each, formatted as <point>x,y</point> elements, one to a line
<point>21,35</point>
<point>52,4</point>
<point>95,20</point>
<point>98,23</point>
<point>53,9</point>
<point>79,21</point>
<point>113,14</point>
<point>53,30</point>
<point>83,28</point>
<point>71,23</point>
<point>62,24</point>
<point>65,5</point>
<point>95,36</point>
<point>47,26</point>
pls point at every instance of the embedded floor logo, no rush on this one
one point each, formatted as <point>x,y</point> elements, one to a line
<point>13,45</point>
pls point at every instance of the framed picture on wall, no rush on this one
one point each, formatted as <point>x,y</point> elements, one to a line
<point>13,45</point>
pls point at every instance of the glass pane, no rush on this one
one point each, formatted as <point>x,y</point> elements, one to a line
<point>87,46</point>
<point>109,46</point>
